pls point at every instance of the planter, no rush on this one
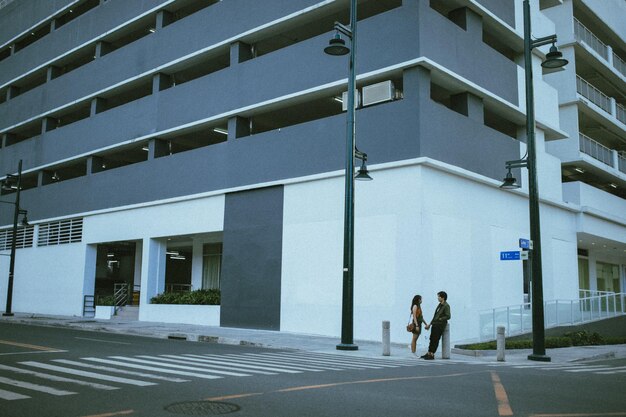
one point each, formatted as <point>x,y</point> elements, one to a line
<point>104,312</point>
<point>205,315</point>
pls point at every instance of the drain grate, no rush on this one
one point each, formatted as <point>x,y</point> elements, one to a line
<point>202,408</point>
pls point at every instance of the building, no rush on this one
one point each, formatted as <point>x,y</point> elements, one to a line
<point>170,145</point>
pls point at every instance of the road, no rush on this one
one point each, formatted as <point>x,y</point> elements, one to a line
<point>46,372</point>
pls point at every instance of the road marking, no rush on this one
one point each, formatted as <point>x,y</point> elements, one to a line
<point>210,364</point>
<point>26,345</point>
<point>152,368</point>
<point>622,413</point>
<point>8,395</point>
<point>35,387</point>
<point>116,413</point>
<point>120,371</point>
<point>335,384</point>
<point>88,374</point>
<point>57,378</point>
<point>148,361</point>
<point>232,362</point>
<point>103,341</point>
<point>504,409</point>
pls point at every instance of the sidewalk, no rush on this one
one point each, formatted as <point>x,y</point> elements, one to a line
<point>297,341</point>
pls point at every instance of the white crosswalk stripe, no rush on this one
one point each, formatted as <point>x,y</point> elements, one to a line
<point>149,370</point>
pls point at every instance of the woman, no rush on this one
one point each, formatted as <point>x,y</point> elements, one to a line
<point>418,319</point>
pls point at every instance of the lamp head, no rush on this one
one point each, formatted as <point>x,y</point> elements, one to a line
<point>24,221</point>
<point>510,182</point>
<point>363,174</point>
<point>554,59</point>
<point>337,46</point>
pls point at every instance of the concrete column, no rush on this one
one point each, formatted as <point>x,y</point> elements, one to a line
<point>386,339</point>
<point>137,272</point>
<point>469,105</point>
<point>609,54</point>
<point>196,264</point>
<point>52,73</point>
<point>445,343</point>
<point>94,164</point>
<point>98,105</point>
<point>416,83</point>
<point>103,48</point>
<point>12,92</point>
<point>240,52</point>
<point>613,106</point>
<point>48,124</point>
<point>238,127</point>
<point>163,18</point>
<point>470,21</point>
<point>152,270</point>
<point>160,82</point>
<point>158,148</point>
<point>614,159</point>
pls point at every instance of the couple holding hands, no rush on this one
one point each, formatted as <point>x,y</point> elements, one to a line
<point>438,323</point>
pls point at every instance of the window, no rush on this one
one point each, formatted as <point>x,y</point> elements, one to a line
<point>607,277</point>
<point>24,238</point>
<point>60,232</point>
<point>211,265</point>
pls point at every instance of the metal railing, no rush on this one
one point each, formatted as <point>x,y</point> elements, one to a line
<point>594,95</point>
<point>121,294</point>
<point>621,163</point>
<point>89,306</point>
<point>595,149</point>
<point>585,35</point>
<point>619,63</point>
<point>518,319</point>
<point>178,288</point>
<point>620,113</point>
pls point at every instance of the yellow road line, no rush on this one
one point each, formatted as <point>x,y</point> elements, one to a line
<point>504,409</point>
<point>25,345</point>
<point>115,413</point>
<point>619,413</point>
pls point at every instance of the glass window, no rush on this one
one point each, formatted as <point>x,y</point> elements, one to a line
<point>211,265</point>
<point>607,277</point>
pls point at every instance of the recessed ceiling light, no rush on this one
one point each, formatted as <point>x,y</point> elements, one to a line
<point>612,185</point>
<point>582,171</point>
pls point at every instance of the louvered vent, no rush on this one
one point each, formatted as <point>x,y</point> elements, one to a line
<point>24,238</point>
<point>60,232</point>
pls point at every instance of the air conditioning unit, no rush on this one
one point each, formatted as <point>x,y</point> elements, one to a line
<point>378,93</point>
<point>344,100</point>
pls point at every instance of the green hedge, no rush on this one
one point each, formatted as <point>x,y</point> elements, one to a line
<point>581,338</point>
<point>198,297</point>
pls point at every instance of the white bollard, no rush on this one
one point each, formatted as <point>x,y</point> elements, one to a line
<point>386,339</point>
<point>500,343</point>
<point>445,343</point>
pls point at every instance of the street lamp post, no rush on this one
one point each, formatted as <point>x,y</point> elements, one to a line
<point>337,47</point>
<point>553,60</point>
<point>17,211</point>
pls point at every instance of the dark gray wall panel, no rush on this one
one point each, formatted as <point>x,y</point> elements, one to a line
<point>21,15</point>
<point>504,9</point>
<point>251,259</point>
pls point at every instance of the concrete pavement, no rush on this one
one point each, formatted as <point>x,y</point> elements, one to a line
<point>286,340</point>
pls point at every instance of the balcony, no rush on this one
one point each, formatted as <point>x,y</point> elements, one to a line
<point>584,35</point>
<point>601,153</point>
<point>601,100</point>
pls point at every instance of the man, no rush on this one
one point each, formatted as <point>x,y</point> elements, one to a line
<point>438,323</point>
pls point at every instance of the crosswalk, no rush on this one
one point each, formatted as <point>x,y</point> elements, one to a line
<point>63,377</point>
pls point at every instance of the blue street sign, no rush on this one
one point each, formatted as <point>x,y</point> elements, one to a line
<point>510,256</point>
<point>525,243</point>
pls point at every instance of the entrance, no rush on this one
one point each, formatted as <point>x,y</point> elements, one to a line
<point>117,273</point>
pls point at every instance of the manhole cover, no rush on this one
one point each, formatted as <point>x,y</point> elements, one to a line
<point>202,408</point>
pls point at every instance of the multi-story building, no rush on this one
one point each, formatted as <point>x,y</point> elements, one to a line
<point>177,144</point>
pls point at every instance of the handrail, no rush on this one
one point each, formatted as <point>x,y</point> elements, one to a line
<point>120,294</point>
<point>619,64</point>
<point>621,163</point>
<point>620,112</point>
<point>585,35</point>
<point>595,149</point>
<point>89,305</point>
<point>597,97</point>
<point>517,319</point>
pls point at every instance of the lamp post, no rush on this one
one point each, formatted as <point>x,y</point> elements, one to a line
<point>337,47</point>
<point>17,211</point>
<point>553,60</point>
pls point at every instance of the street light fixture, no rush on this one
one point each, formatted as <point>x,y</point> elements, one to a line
<point>8,183</point>
<point>337,47</point>
<point>554,59</point>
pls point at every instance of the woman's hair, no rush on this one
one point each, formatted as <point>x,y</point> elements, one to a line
<point>416,301</point>
<point>443,295</point>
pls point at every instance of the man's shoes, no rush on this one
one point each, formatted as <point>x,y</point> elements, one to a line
<point>429,357</point>
<point>424,356</point>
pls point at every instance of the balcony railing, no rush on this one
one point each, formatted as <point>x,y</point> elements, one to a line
<point>585,35</point>
<point>595,149</point>
<point>621,163</point>
<point>620,113</point>
<point>596,96</point>
<point>619,64</point>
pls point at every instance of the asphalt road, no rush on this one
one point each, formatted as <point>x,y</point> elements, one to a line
<point>47,372</point>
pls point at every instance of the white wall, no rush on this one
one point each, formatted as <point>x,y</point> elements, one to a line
<point>418,230</point>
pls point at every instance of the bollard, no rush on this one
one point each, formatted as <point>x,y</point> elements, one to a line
<point>445,343</point>
<point>500,344</point>
<point>386,341</point>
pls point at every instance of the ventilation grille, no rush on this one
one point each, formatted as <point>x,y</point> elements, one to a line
<point>61,232</point>
<point>24,238</point>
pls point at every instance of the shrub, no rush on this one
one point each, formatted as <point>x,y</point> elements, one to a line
<point>197,297</point>
<point>106,300</point>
